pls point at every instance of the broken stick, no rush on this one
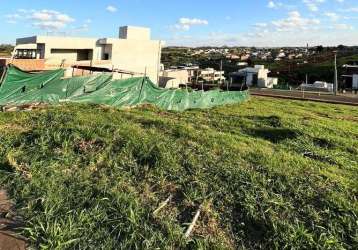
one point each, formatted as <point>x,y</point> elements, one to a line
<point>192,224</point>
<point>162,205</point>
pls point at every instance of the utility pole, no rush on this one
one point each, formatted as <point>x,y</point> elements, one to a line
<point>213,77</point>
<point>227,84</point>
<point>221,69</point>
<point>335,74</point>
<point>196,77</point>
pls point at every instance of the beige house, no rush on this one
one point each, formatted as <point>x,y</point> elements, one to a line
<point>210,74</point>
<point>173,78</point>
<point>133,51</point>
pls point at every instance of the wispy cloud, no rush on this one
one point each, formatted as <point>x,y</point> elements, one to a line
<point>295,21</point>
<point>313,5</point>
<point>111,8</point>
<point>185,23</point>
<point>47,20</point>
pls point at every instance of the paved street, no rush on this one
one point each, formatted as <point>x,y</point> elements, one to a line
<point>349,99</point>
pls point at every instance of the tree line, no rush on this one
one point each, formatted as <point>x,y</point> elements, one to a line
<point>6,48</point>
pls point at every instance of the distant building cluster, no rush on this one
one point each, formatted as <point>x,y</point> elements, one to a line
<point>256,76</point>
<point>176,76</point>
<point>263,54</point>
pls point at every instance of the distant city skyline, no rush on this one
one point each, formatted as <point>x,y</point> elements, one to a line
<point>260,23</point>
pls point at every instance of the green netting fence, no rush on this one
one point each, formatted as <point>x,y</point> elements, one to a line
<point>20,88</point>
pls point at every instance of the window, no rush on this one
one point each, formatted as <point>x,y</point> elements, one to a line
<point>26,54</point>
<point>72,54</point>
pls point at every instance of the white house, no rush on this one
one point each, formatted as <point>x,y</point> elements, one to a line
<point>257,76</point>
<point>210,74</point>
<point>317,86</point>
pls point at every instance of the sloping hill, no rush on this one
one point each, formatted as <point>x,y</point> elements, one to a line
<point>265,174</point>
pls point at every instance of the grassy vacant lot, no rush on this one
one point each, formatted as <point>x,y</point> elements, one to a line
<point>266,174</point>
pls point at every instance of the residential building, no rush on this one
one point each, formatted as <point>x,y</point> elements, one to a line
<point>173,78</point>
<point>133,51</point>
<point>291,56</point>
<point>281,55</point>
<point>317,86</point>
<point>244,57</point>
<point>350,77</point>
<point>233,57</point>
<point>210,74</point>
<point>257,76</point>
<point>192,71</point>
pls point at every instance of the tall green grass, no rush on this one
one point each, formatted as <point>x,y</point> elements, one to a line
<point>265,174</point>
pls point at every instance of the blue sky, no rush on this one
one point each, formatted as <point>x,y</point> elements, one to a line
<point>189,22</point>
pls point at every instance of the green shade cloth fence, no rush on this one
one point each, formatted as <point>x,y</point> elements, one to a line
<point>20,88</point>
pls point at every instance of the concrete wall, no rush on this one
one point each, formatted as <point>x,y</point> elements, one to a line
<point>173,78</point>
<point>56,49</point>
<point>134,33</point>
<point>137,56</point>
<point>262,81</point>
<point>67,42</point>
<point>57,55</point>
<point>181,75</point>
<point>272,81</point>
<point>68,45</point>
<point>169,82</point>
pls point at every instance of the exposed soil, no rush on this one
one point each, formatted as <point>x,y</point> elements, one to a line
<point>9,240</point>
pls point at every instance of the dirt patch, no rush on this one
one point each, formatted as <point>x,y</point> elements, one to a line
<point>9,240</point>
<point>349,118</point>
<point>209,226</point>
<point>86,146</point>
<point>13,127</point>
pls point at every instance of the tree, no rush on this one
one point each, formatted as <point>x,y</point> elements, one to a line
<point>319,49</point>
<point>6,48</point>
<point>341,47</point>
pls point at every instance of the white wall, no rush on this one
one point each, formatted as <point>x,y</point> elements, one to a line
<point>355,82</point>
<point>181,75</point>
<point>262,81</point>
<point>169,82</point>
<point>137,56</point>
<point>68,45</point>
<point>271,81</point>
<point>59,54</point>
<point>134,33</point>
